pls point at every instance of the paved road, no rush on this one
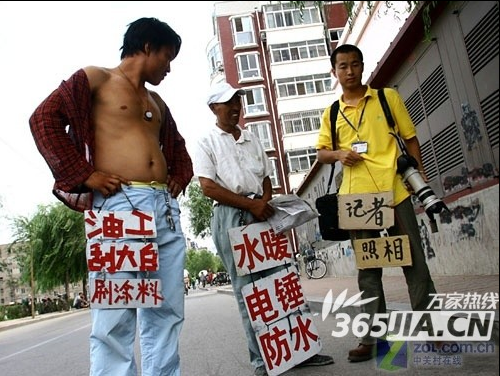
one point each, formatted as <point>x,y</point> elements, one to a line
<point>213,344</point>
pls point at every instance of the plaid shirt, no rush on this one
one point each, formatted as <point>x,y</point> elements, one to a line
<point>69,153</point>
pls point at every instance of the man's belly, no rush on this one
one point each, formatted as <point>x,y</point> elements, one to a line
<point>134,166</point>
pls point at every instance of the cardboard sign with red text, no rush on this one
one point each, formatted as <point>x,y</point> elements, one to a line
<point>272,298</point>
<point>257,247</point>
<point>135,224</point>
<point>126,256</point>
<point>288,342</point>
<point>125,293</point>
<point>281,319</point>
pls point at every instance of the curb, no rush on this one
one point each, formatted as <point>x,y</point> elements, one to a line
<point>10,324</point>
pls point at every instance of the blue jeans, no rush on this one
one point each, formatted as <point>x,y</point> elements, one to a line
<point>113,330</point>
<point>223,219</point>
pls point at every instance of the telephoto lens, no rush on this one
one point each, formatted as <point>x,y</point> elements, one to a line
<point>424,193</point>
<point>406,167</point>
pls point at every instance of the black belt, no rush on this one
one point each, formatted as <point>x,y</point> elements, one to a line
<point>255,196</point>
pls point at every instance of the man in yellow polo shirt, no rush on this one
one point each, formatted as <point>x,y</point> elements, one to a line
<point>368,153</point>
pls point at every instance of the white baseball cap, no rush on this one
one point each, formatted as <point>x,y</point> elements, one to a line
<point>222,92</point>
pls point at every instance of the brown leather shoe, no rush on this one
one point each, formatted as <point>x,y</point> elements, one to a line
<point>362,353</point>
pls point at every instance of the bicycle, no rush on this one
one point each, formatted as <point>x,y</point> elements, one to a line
<point>315,266</point>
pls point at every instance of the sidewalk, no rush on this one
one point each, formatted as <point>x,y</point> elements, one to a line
<point>396,292</point>
<point>315,290</point>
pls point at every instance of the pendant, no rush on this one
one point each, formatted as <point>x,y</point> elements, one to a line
<point>148,115</point>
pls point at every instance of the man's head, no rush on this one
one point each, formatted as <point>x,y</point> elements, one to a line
<point>347,65</point>
<point>345,49</point>
<point>150,31</point>
<point>225,102</point>
<point>222,93</point>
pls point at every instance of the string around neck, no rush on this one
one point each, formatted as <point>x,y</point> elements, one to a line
<point>148,114</point>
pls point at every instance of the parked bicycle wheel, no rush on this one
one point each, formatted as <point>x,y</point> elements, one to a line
<point>316,269</point>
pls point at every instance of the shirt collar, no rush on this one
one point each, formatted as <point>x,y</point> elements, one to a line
<point>369,93</point>
<point>243,137</point>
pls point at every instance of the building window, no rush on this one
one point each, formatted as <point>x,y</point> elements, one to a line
<point>248,66</point>
<point>243,32</point>
<point>298,122</point>
<point>335,34</point>
<point>287,14</point>
<point>215,57</point>
<point>298,51</point>
<point>275,182</point>
<point>254,101</point>
<point>300,160</point>
<point>304,85</point>
<point>262,129</point>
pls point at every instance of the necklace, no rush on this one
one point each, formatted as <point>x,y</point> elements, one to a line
<point>148,115</point>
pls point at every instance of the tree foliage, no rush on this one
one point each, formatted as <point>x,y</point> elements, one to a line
<point>53,243</point>
<point>197,260</point>
<point>352,9</point>
<point>200,210</point>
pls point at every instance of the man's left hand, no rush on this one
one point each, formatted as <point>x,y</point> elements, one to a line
<point>174,188</point>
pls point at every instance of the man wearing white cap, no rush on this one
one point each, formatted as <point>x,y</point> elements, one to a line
<point>233,170</point>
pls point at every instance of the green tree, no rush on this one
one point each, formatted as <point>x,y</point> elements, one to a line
<point>51,247</point>
<point>200,210</point>
<point>202,259</point>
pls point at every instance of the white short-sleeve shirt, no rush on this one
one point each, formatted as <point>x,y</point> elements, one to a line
<point>237,165</point>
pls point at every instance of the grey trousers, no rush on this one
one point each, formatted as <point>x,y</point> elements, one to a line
<point>418,278</point>
<point>223,219</point>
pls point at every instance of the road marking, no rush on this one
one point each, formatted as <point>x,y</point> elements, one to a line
<point>43,343</point>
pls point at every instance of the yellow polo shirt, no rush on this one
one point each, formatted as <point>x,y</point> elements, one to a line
<point>377,173</point>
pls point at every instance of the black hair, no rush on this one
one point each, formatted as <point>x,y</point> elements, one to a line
<point>152,31</point>
<point>344,49</point>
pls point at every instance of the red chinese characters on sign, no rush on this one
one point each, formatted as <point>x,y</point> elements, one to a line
<point>257,247</point>
<point>268,300</point>
<point>133,224</point>
<point>125,293</point>
<point>113,257</point>
<point>288,342</point>
<point>283,325</point>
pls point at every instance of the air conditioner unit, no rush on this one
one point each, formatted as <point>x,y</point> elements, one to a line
<point>219,67</point>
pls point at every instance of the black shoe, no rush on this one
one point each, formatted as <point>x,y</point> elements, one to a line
<point>362,353</point>
<point>260,371</point>
<point>316,360</point>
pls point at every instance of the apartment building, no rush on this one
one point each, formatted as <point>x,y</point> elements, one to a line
<point>450,84</point>
<point>281,56</point>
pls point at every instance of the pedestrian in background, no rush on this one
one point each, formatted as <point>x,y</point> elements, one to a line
<point>233,170</point>
<point>361,120</point>
<point>122,151</point>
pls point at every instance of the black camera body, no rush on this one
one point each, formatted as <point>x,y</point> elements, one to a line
<point>432,205</point>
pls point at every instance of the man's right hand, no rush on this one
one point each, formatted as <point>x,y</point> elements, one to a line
<point>106,184</point>
<point>348,157</point>
<point>261,210</point>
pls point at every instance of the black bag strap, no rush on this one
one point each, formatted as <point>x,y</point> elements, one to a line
<point>334,111</point>
<point>385,108</point>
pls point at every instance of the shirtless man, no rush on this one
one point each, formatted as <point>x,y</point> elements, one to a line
<point>112,144</point>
